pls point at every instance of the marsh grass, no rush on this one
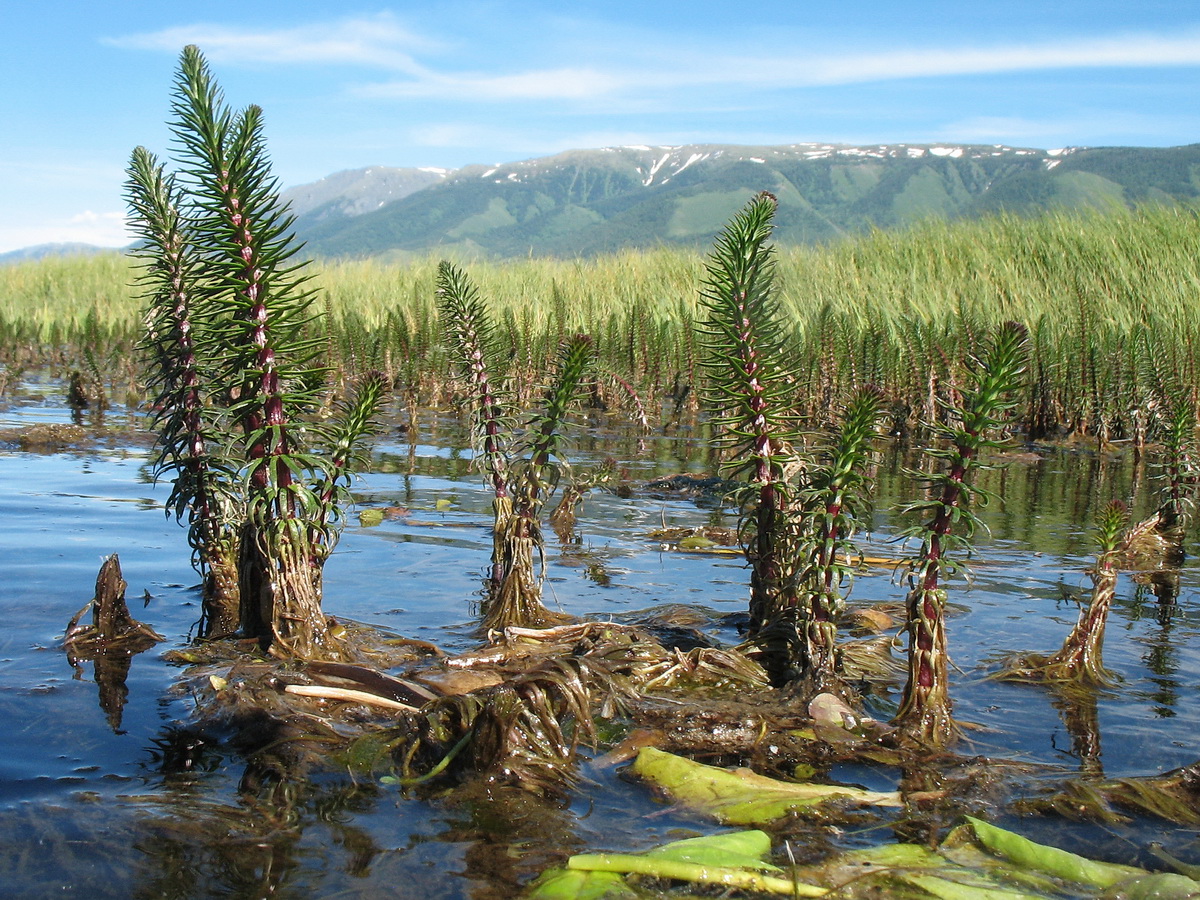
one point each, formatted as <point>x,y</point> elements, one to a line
<point>1108,297</point>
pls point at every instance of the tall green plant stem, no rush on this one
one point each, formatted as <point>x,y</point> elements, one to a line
<point>185,434</point>
<point>925,708</point>
<point>468,330</point>
<point>750,389</point>
<point>231,331</point>
<point>831,498</point>
<point>522,482</point>
<point>1080,659</point>
<point>259,305</point>
<point>517,599</point>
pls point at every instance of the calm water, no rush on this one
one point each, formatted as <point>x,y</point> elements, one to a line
<point>91,811</point>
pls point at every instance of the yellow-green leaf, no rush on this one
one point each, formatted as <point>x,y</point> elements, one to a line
<point>1051,860</point>
<point>739,796</point>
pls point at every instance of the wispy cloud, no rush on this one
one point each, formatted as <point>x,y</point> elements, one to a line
<point>1130,51</point>
<point>1087,127</point>
<point>703,70</point>
<point>545,84</point>
<point>377,42</point>
<point>646,64</point>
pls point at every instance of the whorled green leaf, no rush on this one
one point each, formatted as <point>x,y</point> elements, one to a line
<point>739,796</point>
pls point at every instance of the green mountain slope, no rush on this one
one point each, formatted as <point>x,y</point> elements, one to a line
<point>587,202</point>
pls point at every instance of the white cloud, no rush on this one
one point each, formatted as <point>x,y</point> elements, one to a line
<point>544,84</point>
<point>377,42</point>
<point>1138,51</point>
<point>1088,127</point>
<point>645,63</point>
<point>793,71</point>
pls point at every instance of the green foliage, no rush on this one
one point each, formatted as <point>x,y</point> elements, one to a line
<point>468,328</point>
<point>948,520</point>
<point>749,377</point>
<point>750,392</point>
<point>523,470</point>
<point>1050,860</point>
<point>833,491</point>
<point>569,387</point>
<point>1111,522</point>
<point>742,797</point>
<point>976,861</point>
<point>948,525</point>
<point>1106,296</point>
<point>233,350</point>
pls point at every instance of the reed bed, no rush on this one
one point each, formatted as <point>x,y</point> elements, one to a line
<point>1109,298</point>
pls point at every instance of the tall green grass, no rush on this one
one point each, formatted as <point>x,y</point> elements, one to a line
<point>1111,300</point>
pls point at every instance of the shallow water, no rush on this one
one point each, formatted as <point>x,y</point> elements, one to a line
<point>143,810</point>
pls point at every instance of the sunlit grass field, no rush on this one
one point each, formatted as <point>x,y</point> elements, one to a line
<point>1111,300</point>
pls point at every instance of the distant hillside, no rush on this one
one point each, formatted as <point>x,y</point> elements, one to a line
<point>352,193</point>
<point>584,202</point>
<point>42,251</point>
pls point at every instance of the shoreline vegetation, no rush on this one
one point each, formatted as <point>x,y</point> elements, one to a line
<point>1107,298</point>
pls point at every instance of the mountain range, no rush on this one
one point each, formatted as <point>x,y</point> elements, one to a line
<point>584,202</point>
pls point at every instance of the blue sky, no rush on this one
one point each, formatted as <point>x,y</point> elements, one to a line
<point>346,84</point>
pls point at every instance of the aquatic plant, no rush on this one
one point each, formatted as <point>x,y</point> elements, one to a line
<point>202,487</point>
<point>234,348</point>
<point>1086,284</point>
<point>523,471</point>
<point>750,391</point>
<point>833,490</point>
<point>1080,661</point>
<point>948,526</point>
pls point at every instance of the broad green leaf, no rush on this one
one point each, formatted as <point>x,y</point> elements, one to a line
<point>566,884</point>
<point>688,871</point>
<point>1159,886</point>
<point>711,859</point>
<point>949,889</point>
<point>369,518</point>
<point>1051,860</point>
<point>740,796</point>
<point>735,849</point>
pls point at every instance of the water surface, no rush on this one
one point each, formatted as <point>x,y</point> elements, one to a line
<point>144,809</point>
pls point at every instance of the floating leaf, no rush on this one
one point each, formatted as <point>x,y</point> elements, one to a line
<point>1051,860</point>
<point>711,859</point>
<point>740,796</point>
<point>949,889</point>
<point>1159,886</point>
<point>218,683</point>
<point>566,884</point>
<point>690,871</point>
<point>443,504</point>
<point>734,859</point>
<point>734,849</point>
